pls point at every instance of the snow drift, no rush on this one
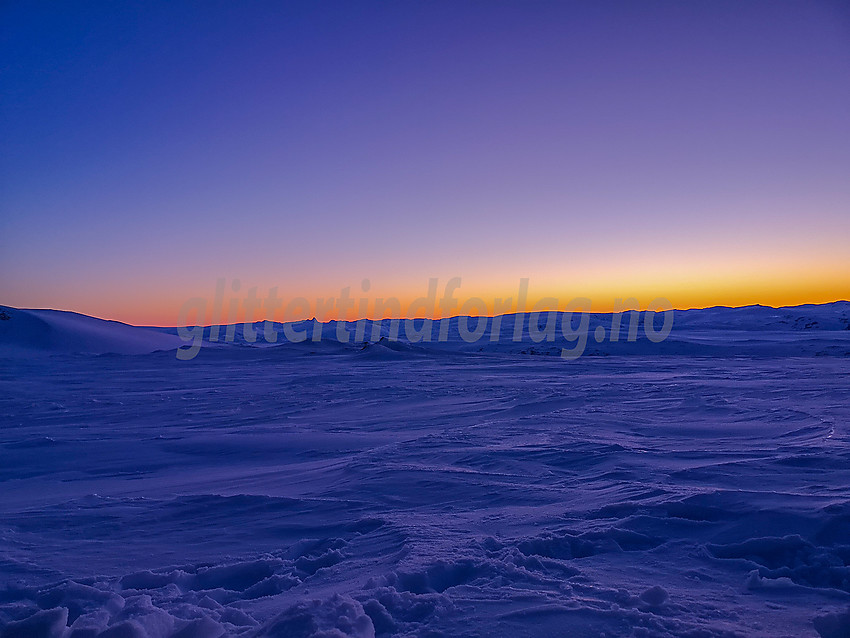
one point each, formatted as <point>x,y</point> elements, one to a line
<point>45,332</point>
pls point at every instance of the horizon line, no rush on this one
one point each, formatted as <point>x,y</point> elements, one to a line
<point>415,318</point>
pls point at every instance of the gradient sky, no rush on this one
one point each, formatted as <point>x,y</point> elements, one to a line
<point>699,151</point>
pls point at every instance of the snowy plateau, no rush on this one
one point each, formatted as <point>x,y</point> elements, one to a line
<point>698,487</point>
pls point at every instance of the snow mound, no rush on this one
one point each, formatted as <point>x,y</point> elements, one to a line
<point>339,617</point>
<point>834,625</point>
<point>45,332</point>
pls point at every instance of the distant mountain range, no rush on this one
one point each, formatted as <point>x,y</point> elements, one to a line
<point>806,330</point>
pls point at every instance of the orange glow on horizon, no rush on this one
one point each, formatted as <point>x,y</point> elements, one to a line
<point>681,295</point>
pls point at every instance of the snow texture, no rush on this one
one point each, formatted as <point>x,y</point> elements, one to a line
<point>397,489</point>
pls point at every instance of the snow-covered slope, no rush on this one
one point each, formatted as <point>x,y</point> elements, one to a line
<point>44,332</point>
<point>385,493</point>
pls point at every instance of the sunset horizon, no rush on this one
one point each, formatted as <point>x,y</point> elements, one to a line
<point>172,319</point>
<point>602,151</point>
<point>425,319</point>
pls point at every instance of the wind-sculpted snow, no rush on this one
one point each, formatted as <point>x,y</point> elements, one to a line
<point>255,492</point>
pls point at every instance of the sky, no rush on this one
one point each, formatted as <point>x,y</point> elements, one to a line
<point>694,151</point>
